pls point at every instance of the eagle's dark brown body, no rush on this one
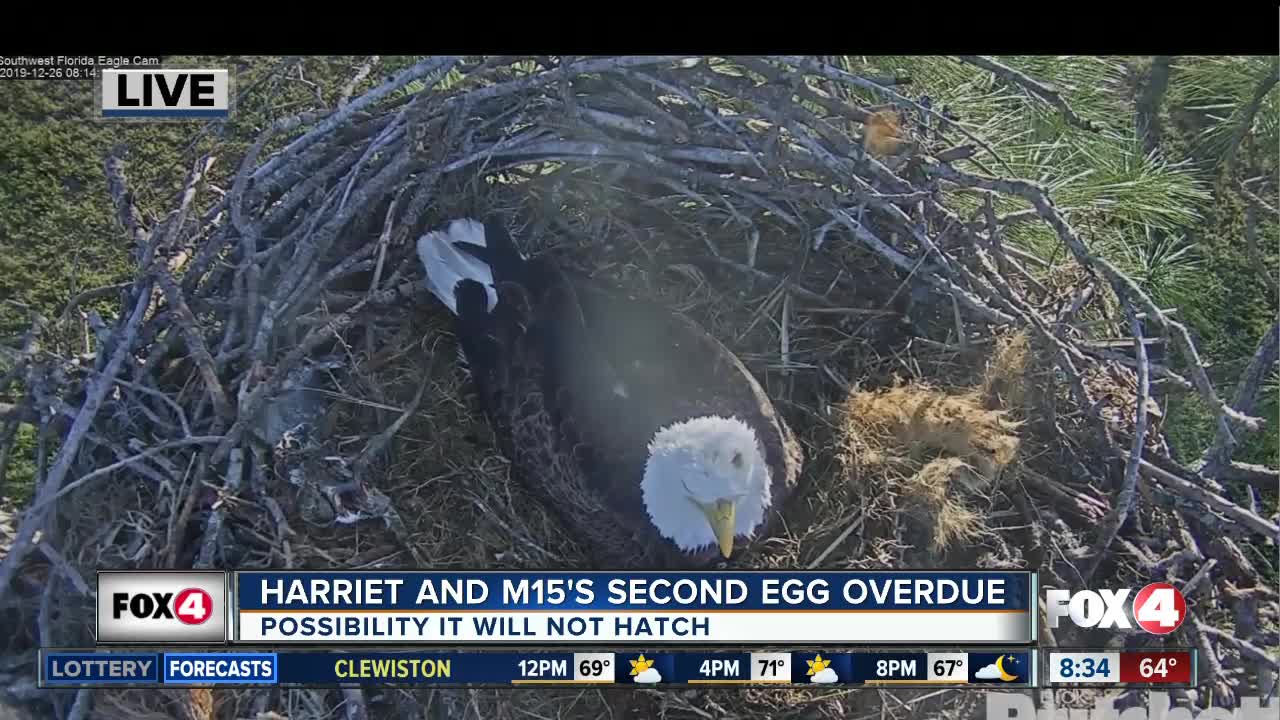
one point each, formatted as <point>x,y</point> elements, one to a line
<point>575,381</point>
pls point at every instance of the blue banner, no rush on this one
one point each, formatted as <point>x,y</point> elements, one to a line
<point>636,591</point>
<point>330,668</point>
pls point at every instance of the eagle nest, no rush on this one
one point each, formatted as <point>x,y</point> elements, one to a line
<point>279,389</point>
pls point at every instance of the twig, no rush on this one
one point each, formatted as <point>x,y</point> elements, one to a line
<point>353,704</point>
<point>65,568</point>
<point>386,137</point>
<point>1247,649</point>
<point>784,335</point>
<point>1250,473</point>
<point>88,295</point>
<point>177,218</point>
<point>435,66</point>
<point>195,342</point>
<point>1128,486</point>
<point>1149,101</point>
<point>1037,88</point>
<point>851,528</point>
<point>1254,253</point>
<point>979,308</point>
<point>1246,398</point>
<point>1188,489</point>
<point>1245,125</point>
<point>213,526</point>
<point>42,503</point>
<point>805,293</point>
<point>383,439</point>
<point>1199,577</point>
<point>82,705</point>
<point>1256,200</point>
<point>344,97</point>
<point>95,392</point>
<point>1161,371</point>
<point>1121,283</point>
<point>122,199</point>
<point>834,73</point>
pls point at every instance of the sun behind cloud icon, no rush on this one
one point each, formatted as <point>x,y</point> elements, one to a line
<point>820,670</point>
<point>649,676</point>
<point>825,675</point>
<point>643,671</point>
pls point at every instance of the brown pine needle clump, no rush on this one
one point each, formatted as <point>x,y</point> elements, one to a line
<point>920,418</point>
<point>953,520</point>
<point>935,451</point>
<point>1004,384</point>
<point>883,134</point>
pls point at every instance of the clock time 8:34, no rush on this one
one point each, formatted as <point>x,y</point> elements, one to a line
<point>1087,667</point>
<point>1084,667</point>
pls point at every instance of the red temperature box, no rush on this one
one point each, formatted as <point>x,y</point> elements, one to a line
<point>1156,668</point>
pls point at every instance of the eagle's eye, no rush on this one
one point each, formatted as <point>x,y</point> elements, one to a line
<point>737,460</point>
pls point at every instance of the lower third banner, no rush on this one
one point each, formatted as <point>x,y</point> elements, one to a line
<point>329,668</point>
<point>641,608</point>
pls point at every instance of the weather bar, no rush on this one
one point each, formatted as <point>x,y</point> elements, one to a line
<point>325,668</point>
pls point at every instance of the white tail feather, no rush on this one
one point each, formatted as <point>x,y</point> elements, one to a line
<point>446,265</point>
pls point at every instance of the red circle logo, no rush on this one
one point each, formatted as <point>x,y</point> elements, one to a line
<point>1159,608</point>
<point>193,606</point>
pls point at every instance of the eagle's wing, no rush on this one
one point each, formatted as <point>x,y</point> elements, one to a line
<point>506,353</point>
<point>622,368</point>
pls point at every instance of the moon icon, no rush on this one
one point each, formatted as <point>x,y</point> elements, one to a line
<point>1004,675</point>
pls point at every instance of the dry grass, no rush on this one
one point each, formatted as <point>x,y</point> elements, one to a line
<point>933,454</point>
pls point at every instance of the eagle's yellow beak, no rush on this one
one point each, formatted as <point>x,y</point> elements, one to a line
<point>720,515</point>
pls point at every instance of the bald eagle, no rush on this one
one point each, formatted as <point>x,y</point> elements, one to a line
<point>645,435</point>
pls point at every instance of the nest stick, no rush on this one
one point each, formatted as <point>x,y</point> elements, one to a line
<point>1246,398</point>
<point>834,73</point>
<point>95,392</point>
<point>365,68</point>
<point>1188,489</point>
<point>1035,87</point>
<point>428,67</point>
<point>195,343</point>
<point>1121,283</point>
<point>1129,484</point>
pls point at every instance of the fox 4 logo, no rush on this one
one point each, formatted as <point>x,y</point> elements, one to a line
<point>1158,608</point>
<point>192,606</point>
<point>159,606</point>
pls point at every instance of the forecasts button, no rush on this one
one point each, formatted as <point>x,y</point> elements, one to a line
<point>220,668</point>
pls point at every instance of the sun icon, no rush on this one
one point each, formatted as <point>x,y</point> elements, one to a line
<point>817,664</point>
<point>640,665</point>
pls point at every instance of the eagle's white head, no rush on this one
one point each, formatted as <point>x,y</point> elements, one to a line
<point>706,483</point>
